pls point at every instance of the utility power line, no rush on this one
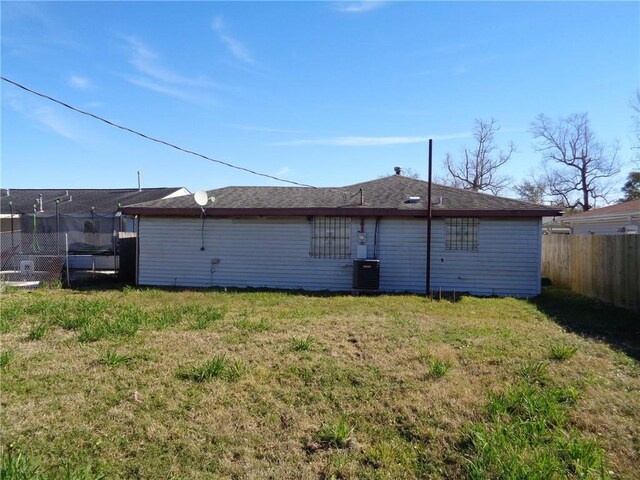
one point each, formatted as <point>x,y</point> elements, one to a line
<point>153,139</point>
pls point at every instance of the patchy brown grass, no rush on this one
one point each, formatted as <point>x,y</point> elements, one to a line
<point>366,377</point>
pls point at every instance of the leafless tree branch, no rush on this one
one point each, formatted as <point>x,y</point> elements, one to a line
<point>477,169</point>
<point>577,168</point>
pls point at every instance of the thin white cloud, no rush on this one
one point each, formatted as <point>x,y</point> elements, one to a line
<point>44,115</point>
<point>50,119</point>
<point>358,7</point>
<point>460,70</point>
<point>256,128</point>
<point>235,47</point>
<point>94,105</point>
<point>282,172</point>
<point>369,141</point>
<point>453,48</point>
<point>164,89</point>
<point>152,74</point>
<point>81,83</point>
<point>148,62</point>
<point>44,31</point>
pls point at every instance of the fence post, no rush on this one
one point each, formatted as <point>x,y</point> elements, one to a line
<point>66,253</point>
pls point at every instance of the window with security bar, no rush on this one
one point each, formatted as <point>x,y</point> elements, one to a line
<point>330,237</point>
<point>461,233</point>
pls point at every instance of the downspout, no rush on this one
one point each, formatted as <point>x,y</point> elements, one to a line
<point>375,238</point>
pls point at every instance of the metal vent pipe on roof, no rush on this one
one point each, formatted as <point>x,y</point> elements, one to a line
<point>139,186</point>
<point>398,170</point>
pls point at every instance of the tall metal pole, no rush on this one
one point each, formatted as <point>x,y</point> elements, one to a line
<point>66,256</point>
<point>429,219</point>
<point>11,210</point>
<point>57,227</point>
<point>13,247</point>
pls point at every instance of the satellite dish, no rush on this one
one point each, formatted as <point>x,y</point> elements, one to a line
<point>212,199</point>
<point>201,197</point>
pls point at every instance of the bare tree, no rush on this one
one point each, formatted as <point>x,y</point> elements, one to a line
<point>477,169</point>
<point>578,169</point>
<point>411,173</point>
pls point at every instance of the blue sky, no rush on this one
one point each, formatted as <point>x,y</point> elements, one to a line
<point>323,93</point>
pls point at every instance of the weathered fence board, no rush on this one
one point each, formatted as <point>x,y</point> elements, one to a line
<point>602,266</point>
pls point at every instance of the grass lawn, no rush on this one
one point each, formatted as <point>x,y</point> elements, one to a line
<point>210,384</point>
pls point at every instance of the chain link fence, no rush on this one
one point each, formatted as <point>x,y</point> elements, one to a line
<point>47,248</point>
<point>33,257</point>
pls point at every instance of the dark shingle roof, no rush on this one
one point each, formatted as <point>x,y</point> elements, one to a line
<point>388,195</point>
<point>75,200</point>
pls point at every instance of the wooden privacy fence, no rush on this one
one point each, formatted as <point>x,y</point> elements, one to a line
<point>602,266</point>
<point>128,255</point>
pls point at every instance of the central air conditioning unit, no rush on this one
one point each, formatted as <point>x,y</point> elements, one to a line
<point>366,274</point>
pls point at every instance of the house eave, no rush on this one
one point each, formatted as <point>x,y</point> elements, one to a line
<point>337,212</point>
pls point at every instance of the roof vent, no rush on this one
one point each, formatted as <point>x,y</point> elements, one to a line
<point>398,170</point>
<point>413,200</point>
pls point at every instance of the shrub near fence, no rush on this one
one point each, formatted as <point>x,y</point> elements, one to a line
<point>602,266</point>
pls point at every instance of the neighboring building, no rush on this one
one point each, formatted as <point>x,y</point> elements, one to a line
<point>308,238</point>
<point>91,218</point>
<point>620,218</point>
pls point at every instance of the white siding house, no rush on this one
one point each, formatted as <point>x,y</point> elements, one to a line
<point>482,252</point>
<point>622,218</point>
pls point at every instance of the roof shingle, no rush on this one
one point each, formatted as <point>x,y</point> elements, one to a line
<point>385,194</point>
<point>76,200</point>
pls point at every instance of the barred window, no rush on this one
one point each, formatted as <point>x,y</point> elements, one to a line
<point>461,233</point>
<point>330,237</point>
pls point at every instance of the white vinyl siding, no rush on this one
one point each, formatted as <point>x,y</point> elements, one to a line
<point>506,263</point>
<point>602,227</point>
<point>274,252</point>
<point>250,252</point>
